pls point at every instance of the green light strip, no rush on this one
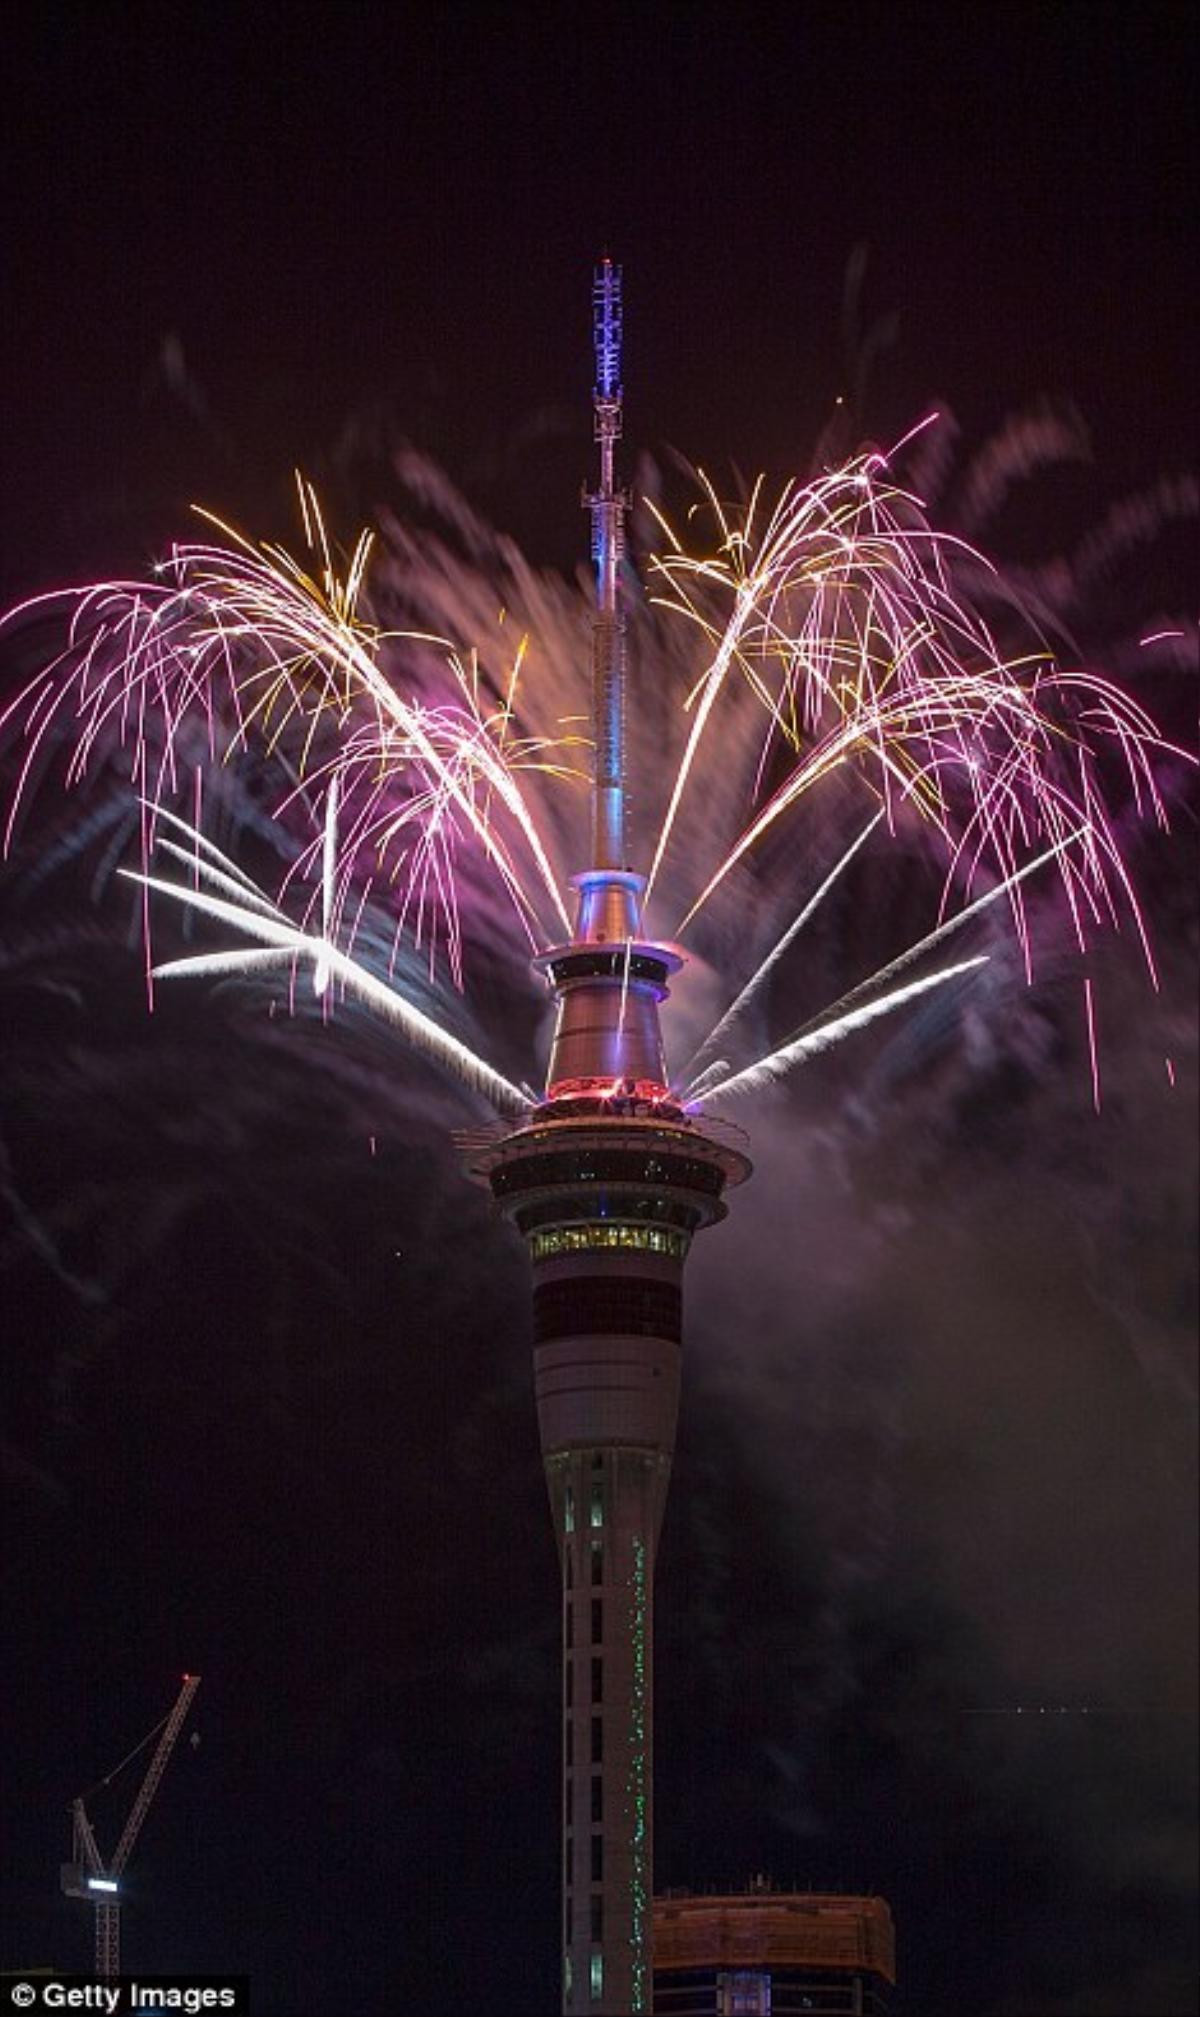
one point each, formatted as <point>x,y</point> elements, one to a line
<point>636,1783</point>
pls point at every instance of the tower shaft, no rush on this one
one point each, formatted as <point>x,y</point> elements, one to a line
<point>608,1192</point>
<point>606,1409</point>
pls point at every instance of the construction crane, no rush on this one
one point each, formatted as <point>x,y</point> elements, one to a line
<point>87,1875</point>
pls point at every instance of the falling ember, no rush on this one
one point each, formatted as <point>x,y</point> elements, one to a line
<point>1090,1014</point>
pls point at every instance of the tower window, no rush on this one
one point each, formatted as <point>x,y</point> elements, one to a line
<point>589,1207</point>
<point>569,1511</point>
<point>597,1620</point>
<point>570,1743</point>
<point>597,1680</point>
<point>597,1561</point>
<point>597,1859</point>
<point>569,1859</point>
<point>570,1624</point>
<point>597,1798</point>
<point>569,1683</point>
<point>619,1166</point>
<point>597,1505</point>
<point>545,1242</point>
<point>597,1927</point>
<point>597,1740</point>
<point>571,1802</point>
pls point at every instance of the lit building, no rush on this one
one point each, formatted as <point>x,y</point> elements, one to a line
<point>765,1953</point>
<point>607,1181</point>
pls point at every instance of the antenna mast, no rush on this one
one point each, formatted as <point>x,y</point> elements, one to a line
<point>608,506</point>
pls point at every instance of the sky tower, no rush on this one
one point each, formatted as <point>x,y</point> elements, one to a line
<point>607,1181</point>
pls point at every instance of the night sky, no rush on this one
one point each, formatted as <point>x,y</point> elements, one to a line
<point>268,1397</point>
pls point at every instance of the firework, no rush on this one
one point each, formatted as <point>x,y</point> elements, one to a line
<point>408,769</point>
<point>254,646</point>
<point>842,618</point>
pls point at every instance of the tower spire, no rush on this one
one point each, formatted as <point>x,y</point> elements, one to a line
<point>608,505</point>
<point>609,980</point>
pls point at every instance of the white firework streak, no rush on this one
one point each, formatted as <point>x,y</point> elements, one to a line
<point>742,1001</point>
<point>286,943</point>
<point>767,1069</point>
<point>943,931</point>
<point>200,843</point>
<point>837,1012</point>
<point>205,871</point>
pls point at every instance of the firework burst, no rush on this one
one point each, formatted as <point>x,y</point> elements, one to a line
<point>831,618</point>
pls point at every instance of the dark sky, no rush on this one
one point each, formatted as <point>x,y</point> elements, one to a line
<point>391,218</point>
<point>268,1401</point>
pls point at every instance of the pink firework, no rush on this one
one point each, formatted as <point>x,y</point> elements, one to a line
<point>833,618</point>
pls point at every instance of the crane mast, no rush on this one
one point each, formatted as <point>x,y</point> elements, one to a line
<point>87,1875</point>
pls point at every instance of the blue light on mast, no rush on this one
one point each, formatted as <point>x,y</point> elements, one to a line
<point>606,327</point>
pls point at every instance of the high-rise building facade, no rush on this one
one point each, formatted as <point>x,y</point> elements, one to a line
<point>607,1181</point>
<point>765,1953</point>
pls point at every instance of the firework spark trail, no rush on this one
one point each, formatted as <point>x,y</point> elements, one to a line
<point>742,1001</point>
<point>1093,1057</point>
<point>850,1013</point>
<point>879,664</point>
<point>754,1077</point>
<point>881,728</point>
<point>203,846</point>
<point>291,657</point>
<point>328,873</point>
<point>449,748</point>
<point>423,831</point>
<point>283,944</point>
<point>844,632</point>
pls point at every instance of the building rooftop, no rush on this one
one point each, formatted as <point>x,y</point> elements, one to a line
<point>767,1929</point>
